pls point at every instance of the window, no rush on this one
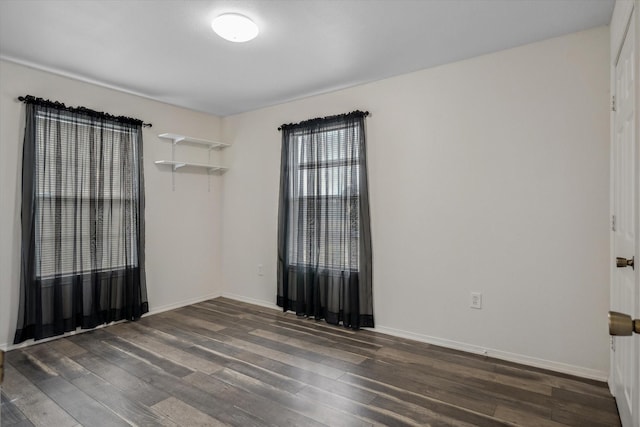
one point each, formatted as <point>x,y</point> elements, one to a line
<point>326,196</point>
<point>84,195</point>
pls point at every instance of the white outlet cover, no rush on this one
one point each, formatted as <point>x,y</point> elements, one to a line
<point>476,300</point>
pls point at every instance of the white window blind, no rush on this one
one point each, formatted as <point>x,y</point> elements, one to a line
<point>325,199</point>
<point>85,183</point>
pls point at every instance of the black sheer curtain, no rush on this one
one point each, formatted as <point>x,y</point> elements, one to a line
<point>324,237</point>
<point>82,260</point>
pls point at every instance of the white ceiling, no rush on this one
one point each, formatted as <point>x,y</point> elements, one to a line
<point>166,50</point>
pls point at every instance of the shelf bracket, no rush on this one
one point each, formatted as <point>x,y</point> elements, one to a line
<point>173,169</point>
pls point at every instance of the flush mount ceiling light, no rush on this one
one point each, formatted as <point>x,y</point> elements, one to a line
<point>234,27</point>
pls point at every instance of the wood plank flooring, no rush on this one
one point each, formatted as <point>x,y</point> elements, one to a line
<point>224,362</point>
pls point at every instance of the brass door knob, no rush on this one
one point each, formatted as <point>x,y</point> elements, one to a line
<point>623,262</point>
<point>622,324</point>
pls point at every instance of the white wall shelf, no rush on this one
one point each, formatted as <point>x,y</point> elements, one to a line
<point>178,139</point>
<point>177,165</point>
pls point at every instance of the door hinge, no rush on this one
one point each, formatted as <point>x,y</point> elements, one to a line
<point>613,103</point>
<point>613,223</point>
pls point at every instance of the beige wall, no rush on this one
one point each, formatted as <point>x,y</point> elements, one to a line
<point>486,175</point>
<point>182,226</point>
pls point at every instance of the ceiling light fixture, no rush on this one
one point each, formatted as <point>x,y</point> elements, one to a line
<point>235,27</point>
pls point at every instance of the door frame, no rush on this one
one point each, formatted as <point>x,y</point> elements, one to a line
<point>620,20</point>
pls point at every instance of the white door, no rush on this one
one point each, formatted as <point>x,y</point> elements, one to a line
<point>624,287</point>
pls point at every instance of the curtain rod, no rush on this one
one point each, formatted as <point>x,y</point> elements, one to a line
<point>357,112</point>
<point>60,105</point>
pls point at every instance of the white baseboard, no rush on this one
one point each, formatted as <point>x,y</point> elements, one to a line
<point>261,303</point>
<point>152,310</point>
<point>179,304</point>
<point>612,389</point>
<point>565,368</point>
<point>469,348</point>
<point>9,347</point>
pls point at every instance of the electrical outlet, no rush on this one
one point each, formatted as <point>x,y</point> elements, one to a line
<point>476,300</point>
<point>260,270</point>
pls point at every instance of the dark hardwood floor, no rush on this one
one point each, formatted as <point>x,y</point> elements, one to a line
<point>223,362</point>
